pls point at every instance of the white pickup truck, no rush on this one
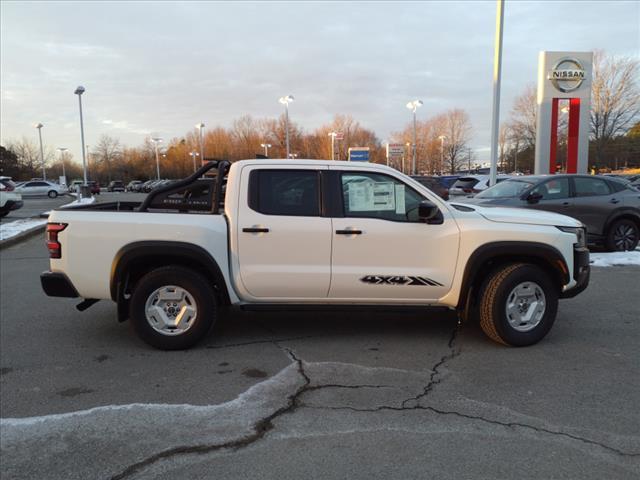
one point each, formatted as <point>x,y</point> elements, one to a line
<point>278,234</point>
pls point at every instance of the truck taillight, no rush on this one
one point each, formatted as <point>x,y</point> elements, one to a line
<point>55,249</point>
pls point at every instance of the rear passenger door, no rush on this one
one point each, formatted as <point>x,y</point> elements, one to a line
<point>283,242</point>
<point>594,201</point>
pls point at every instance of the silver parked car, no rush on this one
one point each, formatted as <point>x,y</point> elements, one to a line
<point>41,188</point>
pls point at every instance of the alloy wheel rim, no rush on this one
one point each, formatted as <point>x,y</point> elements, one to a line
<point>171,310</point>
<point>624,237</point>
<point>526,306</point>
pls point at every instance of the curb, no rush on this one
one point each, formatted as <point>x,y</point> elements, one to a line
<point>32,232</point>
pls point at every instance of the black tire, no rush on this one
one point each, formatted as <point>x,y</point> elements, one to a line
<point>195,284</point>
<point>495,295</point>
<point>52,194</point>
<point>622,236</point>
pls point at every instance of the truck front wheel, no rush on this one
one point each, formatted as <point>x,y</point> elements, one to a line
<point>172,308</point>
<point>518,305</point>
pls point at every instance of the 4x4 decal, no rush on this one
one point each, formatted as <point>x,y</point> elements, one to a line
<point>399,280</point>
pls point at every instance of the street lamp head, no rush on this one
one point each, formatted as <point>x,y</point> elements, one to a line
<point>414,105</point>
<point>199,125</point>
<point>286,100</point>
<point>62,149</point>
<point>442,137</point>
<point>156,139</point>
<point>79,90</point>
<point>38,125</point>
<point>267,145</point>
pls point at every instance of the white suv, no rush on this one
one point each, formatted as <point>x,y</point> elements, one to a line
<point>469,185</point>
<point>9,198</point>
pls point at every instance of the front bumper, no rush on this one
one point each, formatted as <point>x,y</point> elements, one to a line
<point>57,284</point>
<point>581,272</point>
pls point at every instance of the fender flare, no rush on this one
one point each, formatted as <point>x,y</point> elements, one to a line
<point>541,252</point>
<point>137,251</point>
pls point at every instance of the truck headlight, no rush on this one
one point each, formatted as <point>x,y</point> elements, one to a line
<point>579,232</point>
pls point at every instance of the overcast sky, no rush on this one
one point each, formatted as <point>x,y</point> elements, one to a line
<point>161,67</point>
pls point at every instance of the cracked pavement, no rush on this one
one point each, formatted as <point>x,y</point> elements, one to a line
<point>303,394</point>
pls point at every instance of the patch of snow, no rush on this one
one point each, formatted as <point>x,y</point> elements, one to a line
<point>615,259</point>
<point>11,229</point>
<point>81,201</point>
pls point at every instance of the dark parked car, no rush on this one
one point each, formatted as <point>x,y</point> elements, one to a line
<point>609,208</point>
<point>437,185</point>
<point>115,186</point>
<point>94,187</point>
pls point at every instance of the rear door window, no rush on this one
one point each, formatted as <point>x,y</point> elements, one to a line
<point>285,192</point>
<point>590,187</point>
<point>466,183</point>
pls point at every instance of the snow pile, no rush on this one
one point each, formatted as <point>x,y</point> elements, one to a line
<point>81,201</point>
<point>615,259</point>
<point>11,229</point>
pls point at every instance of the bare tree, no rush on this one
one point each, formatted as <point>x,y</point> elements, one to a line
<point>107,152</point>
<point>523,116</point>
<point>457,130</point>
<point>615,98</point>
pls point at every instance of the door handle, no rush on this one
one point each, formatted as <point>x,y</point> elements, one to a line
<point>255,230</point>
<point>614,200</point>
<point>565,204</point>
<point>349,232</point>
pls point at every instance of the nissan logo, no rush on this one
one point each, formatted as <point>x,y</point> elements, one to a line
<point>567,75</point>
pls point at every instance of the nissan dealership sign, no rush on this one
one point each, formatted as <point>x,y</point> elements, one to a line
<point>567,75</point>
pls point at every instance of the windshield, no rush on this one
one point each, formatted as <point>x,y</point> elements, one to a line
<point>506,189</point>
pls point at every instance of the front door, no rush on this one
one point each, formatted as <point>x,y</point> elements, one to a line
<point>284,245</point>
<point>382,252</point>
<point>555,196</point>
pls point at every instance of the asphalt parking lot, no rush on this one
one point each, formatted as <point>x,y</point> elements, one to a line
<point>308,395</point>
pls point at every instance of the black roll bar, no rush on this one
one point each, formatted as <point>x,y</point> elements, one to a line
<point>222,165</point>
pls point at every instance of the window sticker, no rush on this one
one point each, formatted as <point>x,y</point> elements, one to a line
<point>400,205</point>
<point>372,197</point>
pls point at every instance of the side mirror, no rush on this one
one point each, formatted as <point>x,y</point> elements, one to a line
<point>427,210</point>
<point>533,197</point>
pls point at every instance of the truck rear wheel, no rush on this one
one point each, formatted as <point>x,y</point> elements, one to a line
<point>518,305</point>
<point>172,308</point>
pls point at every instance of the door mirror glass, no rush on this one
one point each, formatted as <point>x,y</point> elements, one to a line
<point>427,210</point>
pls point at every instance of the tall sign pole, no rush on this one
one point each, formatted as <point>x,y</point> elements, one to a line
<point>497,72</point>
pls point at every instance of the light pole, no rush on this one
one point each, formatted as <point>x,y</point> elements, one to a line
<point>413,106</point>
<point>200,126</point>
<point>62,150</point>
<point>333,139</point>
<point>156,141</point>
<point>79,91</point>
<point>44,172</point>
<point>442,139</point>
<point>266,147</point>
<point>286,101</point>
<point>193,156</point>
<point>497,72</point>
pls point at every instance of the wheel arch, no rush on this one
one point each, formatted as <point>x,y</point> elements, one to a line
<point>135,259</point>
<point>621,214</point>
<point>490,256</point>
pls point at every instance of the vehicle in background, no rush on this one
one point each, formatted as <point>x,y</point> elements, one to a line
<point>75,186</point>
<point>607,206</point>
<point>147,186</point>
<point>115,186</point>
<point>94,187</point>
<point>436,184</point>
<point>9,198</point>
<point>41,187</point>
<point>470,185</point>
<point>133,186</point>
